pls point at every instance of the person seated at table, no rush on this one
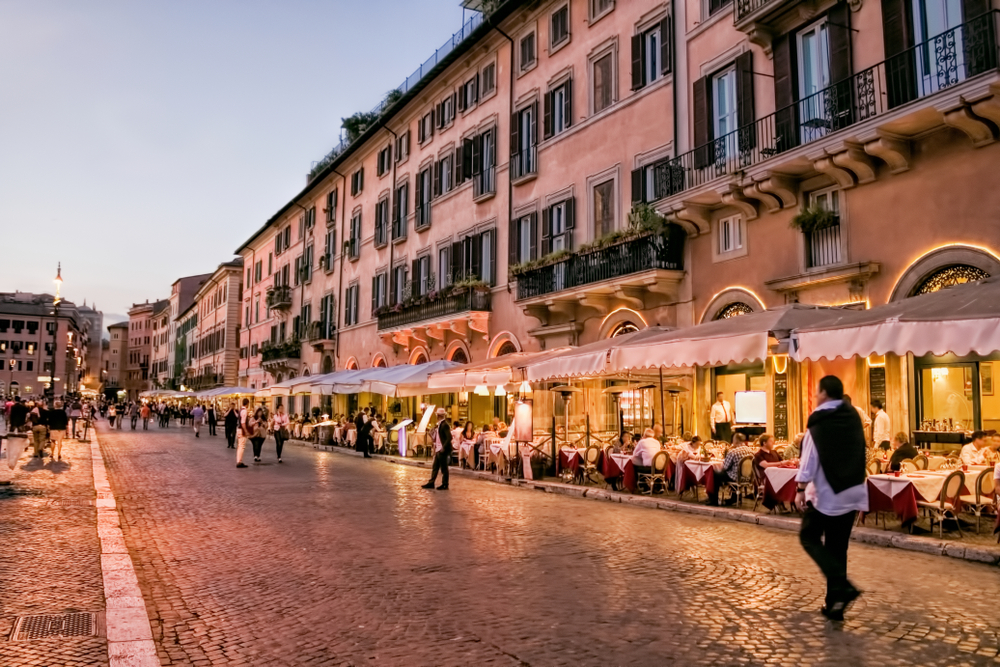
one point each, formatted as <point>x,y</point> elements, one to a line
<point>973,454</point>
<point>690,448</point>
<point>730,468</point>
<point>658,432</point>
<point>623,444</point>
<point>793,450</point>
<point>902,450</point>
<point>765,457</point>
<point>645,450</point>
<point>466,439</point>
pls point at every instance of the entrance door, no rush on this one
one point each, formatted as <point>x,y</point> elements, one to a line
<point>940,50</point>
<point>814,79</point>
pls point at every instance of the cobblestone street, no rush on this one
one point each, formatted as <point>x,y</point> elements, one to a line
<point>328,559</point>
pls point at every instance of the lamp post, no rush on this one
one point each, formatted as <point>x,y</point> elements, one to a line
<point>51,390</point>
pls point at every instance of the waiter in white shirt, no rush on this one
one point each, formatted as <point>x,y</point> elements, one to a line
<point>722,419</point>
<point>881,426</point>
<point>831,490</point>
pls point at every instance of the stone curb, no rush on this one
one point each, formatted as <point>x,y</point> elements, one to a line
<point>871,536</point>
<point>130,638</point>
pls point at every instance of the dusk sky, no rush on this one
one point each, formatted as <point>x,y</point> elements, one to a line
<point>143,141</point>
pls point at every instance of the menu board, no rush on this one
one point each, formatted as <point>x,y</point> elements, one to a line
<point>876,384</point>
<point>781,406</point>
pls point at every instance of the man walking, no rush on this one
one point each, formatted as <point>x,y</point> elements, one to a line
<point>145,412</point>
<point>212,419</point>
<point>75,412</point>
<point>133,413</point>
<point>197,416</point>
<point>58,420</point>
<point>831,490</point>
<point>722,419</point>
<point>242,433</point>
<point>442,452</point>
<point>232,421</point>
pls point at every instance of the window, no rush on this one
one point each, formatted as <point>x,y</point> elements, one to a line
<point>380,291</point>
<point>400,210</point>
<point>425,128</point>
<point>424,189</point>
<point>603,74</point>
<point>270,270</point>
<point>256,305</point>
<point>730,234</point>
<point>724,103</point>
<point>403,146</point>
<point>527,52</point>
<point>522,242</point>
<point>298,269</point>
<point>444,267</point>
<point>479,162</point>
<point>331,207</point>
<point>475,257</point>
<point>444,175</point>
<point>724,113</point>
<point>357,182</point>
<point>558,222</point>
<point>384,161</point>
<point>258,270</point>
<point>599,8</point>
<point>523,139</point>
<point>604,208</point>
<point>398,283</point>
<point>814,77</point>
<point>33,327</point>
<point>354,245</point>
<point>287,242</point>
<point>652,53</point>
<point>382,222</point>
<point>489,79</point>
<point>310,216</point>
<point>558,109</point>
<point>423,277</point>
<point>446,111</point>
<point>715,5</point>
<point>559,26</point>
<point>469,94</point>
<point>329,249</point>
<point>351,305</point>
<point>824,246</point>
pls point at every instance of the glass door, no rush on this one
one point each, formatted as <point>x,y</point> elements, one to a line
<point>940,51</point>
<point>725,119</point>
<point>814,79</point>
<point>948,397</point>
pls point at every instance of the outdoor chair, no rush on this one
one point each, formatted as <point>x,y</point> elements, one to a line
<point>588,466</point>
<point>982,496</point>
<point>657,473</point>
<point>758,485</point>
<point>921,462</point>
<point>743,485</point>
<point>944,507</point>
<point>873,468</point>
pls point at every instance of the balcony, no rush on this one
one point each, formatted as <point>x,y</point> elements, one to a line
<point>320,335</point>
<point>462,311</point>
<point>279,298</point>
<point>280,357</point>
<point>637,273</point>
<point>839,130</point>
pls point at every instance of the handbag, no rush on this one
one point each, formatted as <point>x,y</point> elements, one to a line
<point>283,432</point>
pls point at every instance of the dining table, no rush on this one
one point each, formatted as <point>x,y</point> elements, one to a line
<point>900,493</point>
<point>619,466</point>
<point>694,473</point>
<point>779,485</point>
<point>570,458</point>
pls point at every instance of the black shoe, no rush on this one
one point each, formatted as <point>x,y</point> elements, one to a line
<point>730,501</point>
<point>832,614</point>
<point>428,485</point>
<point>443,487</point>
<point>241,465</point>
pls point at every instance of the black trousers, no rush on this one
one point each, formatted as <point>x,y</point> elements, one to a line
<point>231,436</point>
<point>724,431</point>
<point>211,428</point>
<point>258,444</point>
<point>825,538</point>
<point>135,420</point>
<point>279,442</point>
<point>441,460</point>
<point>721,479</point>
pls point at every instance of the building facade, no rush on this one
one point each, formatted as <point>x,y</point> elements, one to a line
<point>182,293</point>
<point>159,364</point>
<point>116,360</point>
<point>93,335</point>
<point>140,347</point>
<point>37,347</point>
<point>576,169</point>
<point>216,356</point>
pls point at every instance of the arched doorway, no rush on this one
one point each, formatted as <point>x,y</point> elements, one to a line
<point>622,329</point>
<point>949,276</point>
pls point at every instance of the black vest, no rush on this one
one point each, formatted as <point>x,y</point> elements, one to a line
<point>839,438</point>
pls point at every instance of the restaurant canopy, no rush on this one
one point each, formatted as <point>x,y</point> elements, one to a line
<point>586,359</point>
<point>490,372</point>
<point>745,338</point>
<point>218,392</point>
<point>402,380</point>
<point>962,320</point>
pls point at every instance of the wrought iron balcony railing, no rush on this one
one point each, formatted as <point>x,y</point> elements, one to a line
<point>453,304</point>
<point>279,298</point>
<point>524,163</point>
<point>939,63</point>
<point>660,251</point>
<point>319,331</point>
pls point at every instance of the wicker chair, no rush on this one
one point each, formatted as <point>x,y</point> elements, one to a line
<point>907,465</point>
<point>588,466</point>
<point>921,462</point>
<point>743,485</point>
<point>944,507</point>
<point>656,474</point>
<point>982,497</point>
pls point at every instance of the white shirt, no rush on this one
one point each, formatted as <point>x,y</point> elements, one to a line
<point>819,492</point>
<point>882,431</point>
<point>721,413</point>
<point>971,456</point>
<point>692,449</point>
<point>644,451</point>
<point>866,420</point>
<point>243,420</point>
<point>996,474</point>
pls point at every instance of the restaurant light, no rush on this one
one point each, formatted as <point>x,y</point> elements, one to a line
<point>525,387</point>
<point>481,390</point>
<point>500,391</point>
<point>780,363</point>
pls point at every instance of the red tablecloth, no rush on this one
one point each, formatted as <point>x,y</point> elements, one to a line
<point>687,480</point>
<point>904,503</point>
<point>611,470</point>
<point>569,461</point>
<point>773,498</point>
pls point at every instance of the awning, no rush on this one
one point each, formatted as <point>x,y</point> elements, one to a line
<point>403,380</point>
<point>586,359</point>
<point>490,372</point>
<point>339,382</point>
<point>744,338</point>
<point>290,387</point>
<point>961,320</point>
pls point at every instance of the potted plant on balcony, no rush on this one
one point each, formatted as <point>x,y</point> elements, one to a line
<point>814,218</point>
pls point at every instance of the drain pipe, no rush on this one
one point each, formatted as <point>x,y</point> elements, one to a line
<point>510,116</point>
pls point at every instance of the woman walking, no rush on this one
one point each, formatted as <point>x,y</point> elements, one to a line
<point>279,425</point>
<point>257,433</point>
<point>112,413</point>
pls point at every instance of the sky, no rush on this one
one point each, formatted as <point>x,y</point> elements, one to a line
<point>145,140</point>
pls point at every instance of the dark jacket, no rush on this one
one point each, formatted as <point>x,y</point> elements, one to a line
<point>18,415</point>
<point>839,438</point>
<point>232,419</point>
<point>58,420</point>
<point>904,453</point>
<point>444,434</point>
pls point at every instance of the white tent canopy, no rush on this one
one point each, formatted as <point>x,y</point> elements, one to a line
<point>744,338</point>
<point>338,382</point>
<point>587,359</point>
<point>403,380</point>
<point>491,372</point>
<point>962,320</point>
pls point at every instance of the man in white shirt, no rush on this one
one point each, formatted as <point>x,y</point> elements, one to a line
<point>645,450</point>
<point>831,490</point>
<point>881,426</point>
<point>974,453</point>
<point>722,419</point>
<point>241,434</point>
<point>866,420</point>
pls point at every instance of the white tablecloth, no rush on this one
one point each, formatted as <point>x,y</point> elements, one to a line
<point>927,484</point>
<point>621,459</point>
<point>699,468</point>
<point>778,477</point>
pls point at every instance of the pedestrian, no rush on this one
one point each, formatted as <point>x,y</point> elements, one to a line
<point>58,420</point>
<point>145,413</point>
<point>39,419</point>
<point>359,439</point>
<point>831,490</point>
<point>18,419</point>
<point>133,413</point>
<point>442,451</point>
<point>242,433</point>
<point>122,410</point>
<point>75,412</point>
<point>212,420</point>
<point>279,426</point>
<point>257,433</point>
<point>112,414</point>
<point>232,422</point>
<point>197,417</point>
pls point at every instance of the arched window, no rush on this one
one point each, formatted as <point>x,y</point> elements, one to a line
<point>380,362</point>
<point>327,364</point>
<point>622,329</point>
<point>420,359</point>
<point>957,274</point>
<point>459,356</point>
<point>734,309</point>
<point>506,348</point>
<point>278,378</point>
<point>352,364</point>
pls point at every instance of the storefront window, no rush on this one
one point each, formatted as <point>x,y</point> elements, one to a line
<point>947,397</point>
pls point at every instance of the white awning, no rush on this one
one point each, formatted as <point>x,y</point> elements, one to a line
<point>403,380</point>
<point>745,338</point>
<point>589,359</point>
<point>490,372</point>
<point>960,320</point>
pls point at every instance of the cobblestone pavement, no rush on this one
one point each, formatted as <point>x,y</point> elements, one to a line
<point>50,555</point>
<point>332,560</point>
